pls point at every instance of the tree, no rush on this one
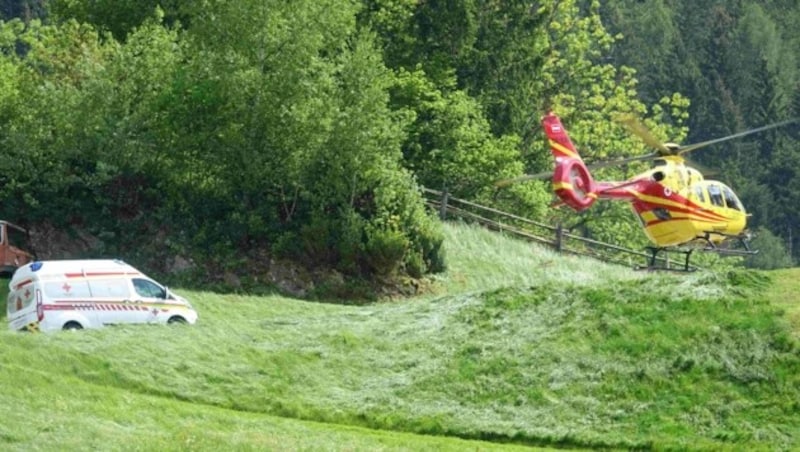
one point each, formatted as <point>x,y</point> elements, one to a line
<point>500,68</point>
<point>312,154</point>
<point>25,10</point>
<point>118,17</point>
<point>52,152</point>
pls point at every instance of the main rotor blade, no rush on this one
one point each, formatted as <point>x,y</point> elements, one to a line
<point>704,170</point>
<point>692,147</point>
<point>638,158</point>
<point>523,178</point>
<point>548,174</point>
<point>637,128</point>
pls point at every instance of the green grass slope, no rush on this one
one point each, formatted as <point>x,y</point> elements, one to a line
<point>517,347</point>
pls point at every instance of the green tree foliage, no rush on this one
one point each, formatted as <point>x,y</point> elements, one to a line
<point>118,17</point>
<point>452,143</point>
<point>649,40</point>
<point>312,149</point>
<point>53,112</point>
<point>771,254</point>
<point>81,149</point>
<point>445,32</point>
<point>25,10</point>
<point>450,146</point>
<point>501,68</point>
<point>493,49</point>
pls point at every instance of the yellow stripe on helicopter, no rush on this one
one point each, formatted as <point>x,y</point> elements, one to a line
<point>658,201</point>
<point>568,186</point>
<point>649,217</point>
<point>560,148</point>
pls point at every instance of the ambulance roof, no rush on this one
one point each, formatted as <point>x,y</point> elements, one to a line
<point>73,268</point>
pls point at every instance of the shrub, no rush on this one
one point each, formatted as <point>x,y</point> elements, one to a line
<point>771,254</point>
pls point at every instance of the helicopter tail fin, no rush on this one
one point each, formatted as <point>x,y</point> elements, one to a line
<point>572,180</point>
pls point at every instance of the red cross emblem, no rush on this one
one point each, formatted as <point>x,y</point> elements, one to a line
<point>66,287</point>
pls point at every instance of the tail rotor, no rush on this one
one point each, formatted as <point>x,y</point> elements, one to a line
<point>572,181</point>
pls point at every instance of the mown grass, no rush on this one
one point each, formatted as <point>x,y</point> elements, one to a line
<point>783,293</point>
<point>516,347</point>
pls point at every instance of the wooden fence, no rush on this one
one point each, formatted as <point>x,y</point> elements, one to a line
<point>545,234</point>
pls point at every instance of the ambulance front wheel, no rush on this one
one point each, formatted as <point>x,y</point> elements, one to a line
<point>72,326</point>
<point>176,320</point>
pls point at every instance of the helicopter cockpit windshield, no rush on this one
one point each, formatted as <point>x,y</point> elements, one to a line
<point>719,195</point>
<point>730,198</point>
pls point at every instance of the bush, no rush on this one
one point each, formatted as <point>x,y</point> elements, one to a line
<point>771,254</point>
<point>385,249</point>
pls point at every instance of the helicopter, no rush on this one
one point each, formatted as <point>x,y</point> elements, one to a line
<point>677,207</point>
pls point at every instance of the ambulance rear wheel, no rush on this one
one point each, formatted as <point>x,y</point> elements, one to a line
<point>72,326</point>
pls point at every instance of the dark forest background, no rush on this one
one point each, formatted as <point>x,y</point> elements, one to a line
<point>232,134</point>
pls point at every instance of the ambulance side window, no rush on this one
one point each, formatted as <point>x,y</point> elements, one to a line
<point>148,289</point>
<point>67,290</point>
<point>110,288</point>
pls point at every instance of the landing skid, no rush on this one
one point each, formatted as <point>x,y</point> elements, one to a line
<point>743,240</point>
<point>653,262</point>
<point>709,246</point>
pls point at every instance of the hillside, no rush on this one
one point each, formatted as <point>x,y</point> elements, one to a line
<point>517,347</point>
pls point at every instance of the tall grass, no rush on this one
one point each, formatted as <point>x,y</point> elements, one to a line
<point>517,346</point>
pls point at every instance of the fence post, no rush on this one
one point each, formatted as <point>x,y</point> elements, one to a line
<point>559,237</point>
<point>443,206</point>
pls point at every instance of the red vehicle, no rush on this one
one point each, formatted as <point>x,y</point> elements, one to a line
<point>13,248</point>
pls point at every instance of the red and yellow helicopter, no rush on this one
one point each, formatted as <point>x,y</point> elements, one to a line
<point>678,208</point>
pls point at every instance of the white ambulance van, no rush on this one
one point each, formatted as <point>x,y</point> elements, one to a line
<point>76,294</point>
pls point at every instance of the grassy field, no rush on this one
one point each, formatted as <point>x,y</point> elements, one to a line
<point>516,347</point>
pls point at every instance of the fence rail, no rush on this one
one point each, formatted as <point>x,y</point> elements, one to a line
<point>541,233</point>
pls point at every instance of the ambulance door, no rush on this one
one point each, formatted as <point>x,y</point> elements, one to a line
<point>113,301</point>
<point>151,295</point>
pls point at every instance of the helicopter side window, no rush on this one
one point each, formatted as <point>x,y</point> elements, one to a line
<point>700,194</point>
<point>715,195</point>
<point>730,199</point>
